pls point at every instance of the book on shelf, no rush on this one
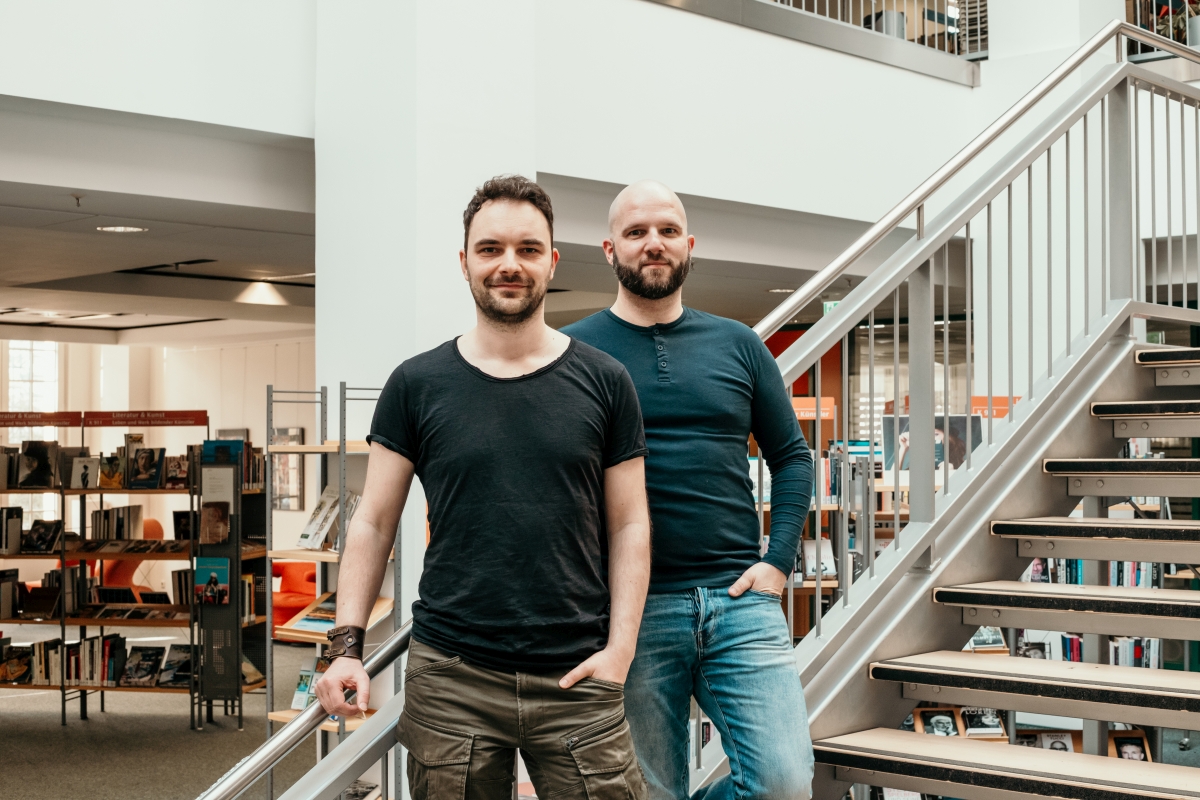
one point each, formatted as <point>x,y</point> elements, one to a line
<point>122,522</point>
<point>43,536</point>
<point>112,471</point>
<point>317,529</point>
<point>133,443</point>
<point>85,472</point>
<point>939,721</point>
<point>1134,651</point>
<point>175,475</point>
<point>146,468</point>
<point>1141,574</point>
<point>250,673</point>
<point>1062,741</point>
<point>38,467</point>
<point>155,598</point>
<point>10,592</point>
<point>141,666</point>
<point>311,671</point>
<point>987,639</point>
<point>212,581</point>
<point>41,603</point>
<point>1132,745</point>
<point>828,565</point>
<point>247,587</point>
<point>46,665</point>
<point>983,723</point>
<point>1072,647</point>
<point>10,530</point>
<point>214,522</point>
<point>311,624</point>
<point>16,666</point>
<point>176,670</point>
<point>181,585</point>
<point>362,790</point>
<point>183,525</point>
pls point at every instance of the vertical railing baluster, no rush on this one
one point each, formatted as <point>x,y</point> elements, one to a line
<point>1196,139</point>
<point>1029,273</point>
<point>818,435</point>
<point>1067,241</point>
<point>1105,292</point>
<point>1153,208</point>
<point>1170,220</point>
<point>1087,263</point>
<point>896,419</point>
<point>869,513</point>
<point>990,326</point>
<point>969,303</point>
<point>921,350</point>
<point>946,370</point>
<point>1137,277</point>
<point>1049,263</point>
<point>846,563</point>
<point>1008,304</point>
<point>1183,284</point>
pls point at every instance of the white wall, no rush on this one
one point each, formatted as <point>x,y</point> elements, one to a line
<point>247,65</point>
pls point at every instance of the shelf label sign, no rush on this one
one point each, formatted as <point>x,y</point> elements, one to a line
<point>140,419</point>
<point>45,419</point>
<point>806,407</point>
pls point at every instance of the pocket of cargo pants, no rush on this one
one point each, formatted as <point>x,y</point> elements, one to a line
<point>438,759</point>
<point>607,764</point>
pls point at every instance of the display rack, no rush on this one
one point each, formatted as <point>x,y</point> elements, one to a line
<point>84,421</point>
<point>326,560</point>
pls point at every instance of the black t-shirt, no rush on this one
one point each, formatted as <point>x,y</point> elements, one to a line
<point>515,575</point>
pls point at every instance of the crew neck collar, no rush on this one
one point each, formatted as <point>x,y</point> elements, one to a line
<point>527,376</point>
<point>655,328</point>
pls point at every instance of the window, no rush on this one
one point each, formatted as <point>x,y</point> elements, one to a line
<point>33,386</point>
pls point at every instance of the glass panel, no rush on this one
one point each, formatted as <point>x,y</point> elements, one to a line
<point>18,397</point>
<point>45,365</point>
<point>18,363</point>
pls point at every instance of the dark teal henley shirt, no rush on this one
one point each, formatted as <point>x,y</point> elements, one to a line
<point>705,383</point>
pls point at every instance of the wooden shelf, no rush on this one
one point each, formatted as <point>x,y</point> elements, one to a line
<point>56,687</point>
<point>250,687</point>
<point>258,620</point>
<point>352,723</point>
<point>300,554</point>
<point>93,622</point>
<point>381,610</point>
<point>353,448</point>
<point>250,551</point>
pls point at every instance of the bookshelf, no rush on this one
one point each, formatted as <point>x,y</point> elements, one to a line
<point>210,642</point>
<point>336,458</point>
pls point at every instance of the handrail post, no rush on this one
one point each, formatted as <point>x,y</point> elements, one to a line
<point>920,390</point>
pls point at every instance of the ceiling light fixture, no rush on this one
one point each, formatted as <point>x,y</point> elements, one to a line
<point>121,229</point>
<point>780,291</point>
<point>291,277</point>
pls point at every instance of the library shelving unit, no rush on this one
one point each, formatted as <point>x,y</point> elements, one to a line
<point>211,645</point>
<point>343,461</point>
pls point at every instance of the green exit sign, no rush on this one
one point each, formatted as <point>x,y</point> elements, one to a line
<point>829,305</point>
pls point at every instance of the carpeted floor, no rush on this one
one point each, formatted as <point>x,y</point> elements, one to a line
<point>141,747</point>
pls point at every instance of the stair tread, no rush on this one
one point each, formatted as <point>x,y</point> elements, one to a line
<point>1071,674</point>
<point>1170,356</point>
<point>1121,466</point>
<point>1000,766</point>
<point>1147,408</point>
<point>1169,602</point>
<point>1172,530</point>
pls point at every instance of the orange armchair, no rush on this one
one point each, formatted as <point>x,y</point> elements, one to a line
<point>297,589</point>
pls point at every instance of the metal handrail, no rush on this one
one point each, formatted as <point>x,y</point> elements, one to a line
<point>271,752</point>
<point>915,201</point>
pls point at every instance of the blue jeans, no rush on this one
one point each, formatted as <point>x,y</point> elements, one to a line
<point>735,657</point>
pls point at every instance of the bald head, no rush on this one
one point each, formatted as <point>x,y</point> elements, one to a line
<point>648,245</point>
<point>643,196</point>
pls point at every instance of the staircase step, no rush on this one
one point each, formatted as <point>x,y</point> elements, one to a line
<point>1151,418</point>
<point>1071,689</point>
<point>1127,477</point>
<point>1161,540</point>
<point>1174,366</point>
<point>1168,356</point>
<point>1127,611</point>
<point>974,770</point>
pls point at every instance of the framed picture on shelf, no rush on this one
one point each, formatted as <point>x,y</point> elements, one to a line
<point>939,721</point>
<point>287,486</point>
<point>112,472</point>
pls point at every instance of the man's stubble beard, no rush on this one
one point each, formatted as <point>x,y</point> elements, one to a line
<point>633,279</point>
<point>508,316</point>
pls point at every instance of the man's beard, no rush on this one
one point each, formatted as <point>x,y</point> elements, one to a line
<point>508,311</point>
<point>634,279</point>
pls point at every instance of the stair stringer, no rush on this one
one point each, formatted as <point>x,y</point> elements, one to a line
<point>893,614</point>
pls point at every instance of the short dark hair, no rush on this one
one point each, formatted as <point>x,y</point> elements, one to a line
<point>517,188</point>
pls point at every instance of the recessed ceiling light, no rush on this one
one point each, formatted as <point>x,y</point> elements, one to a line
<point>121,229</point>
<point>780,291</point>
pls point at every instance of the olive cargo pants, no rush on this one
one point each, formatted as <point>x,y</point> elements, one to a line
<point>463,724</point>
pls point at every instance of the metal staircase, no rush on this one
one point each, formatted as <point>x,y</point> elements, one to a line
<point>1028,294</point>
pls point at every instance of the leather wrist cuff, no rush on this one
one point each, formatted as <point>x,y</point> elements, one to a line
<point>346,641</point>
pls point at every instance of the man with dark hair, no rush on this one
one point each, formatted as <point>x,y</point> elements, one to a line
<point>713,628</point>
<point>529,446</point>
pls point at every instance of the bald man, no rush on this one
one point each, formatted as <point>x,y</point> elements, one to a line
<point>712,627</point>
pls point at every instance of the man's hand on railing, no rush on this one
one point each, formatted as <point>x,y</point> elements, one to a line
<point>344,673</point>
